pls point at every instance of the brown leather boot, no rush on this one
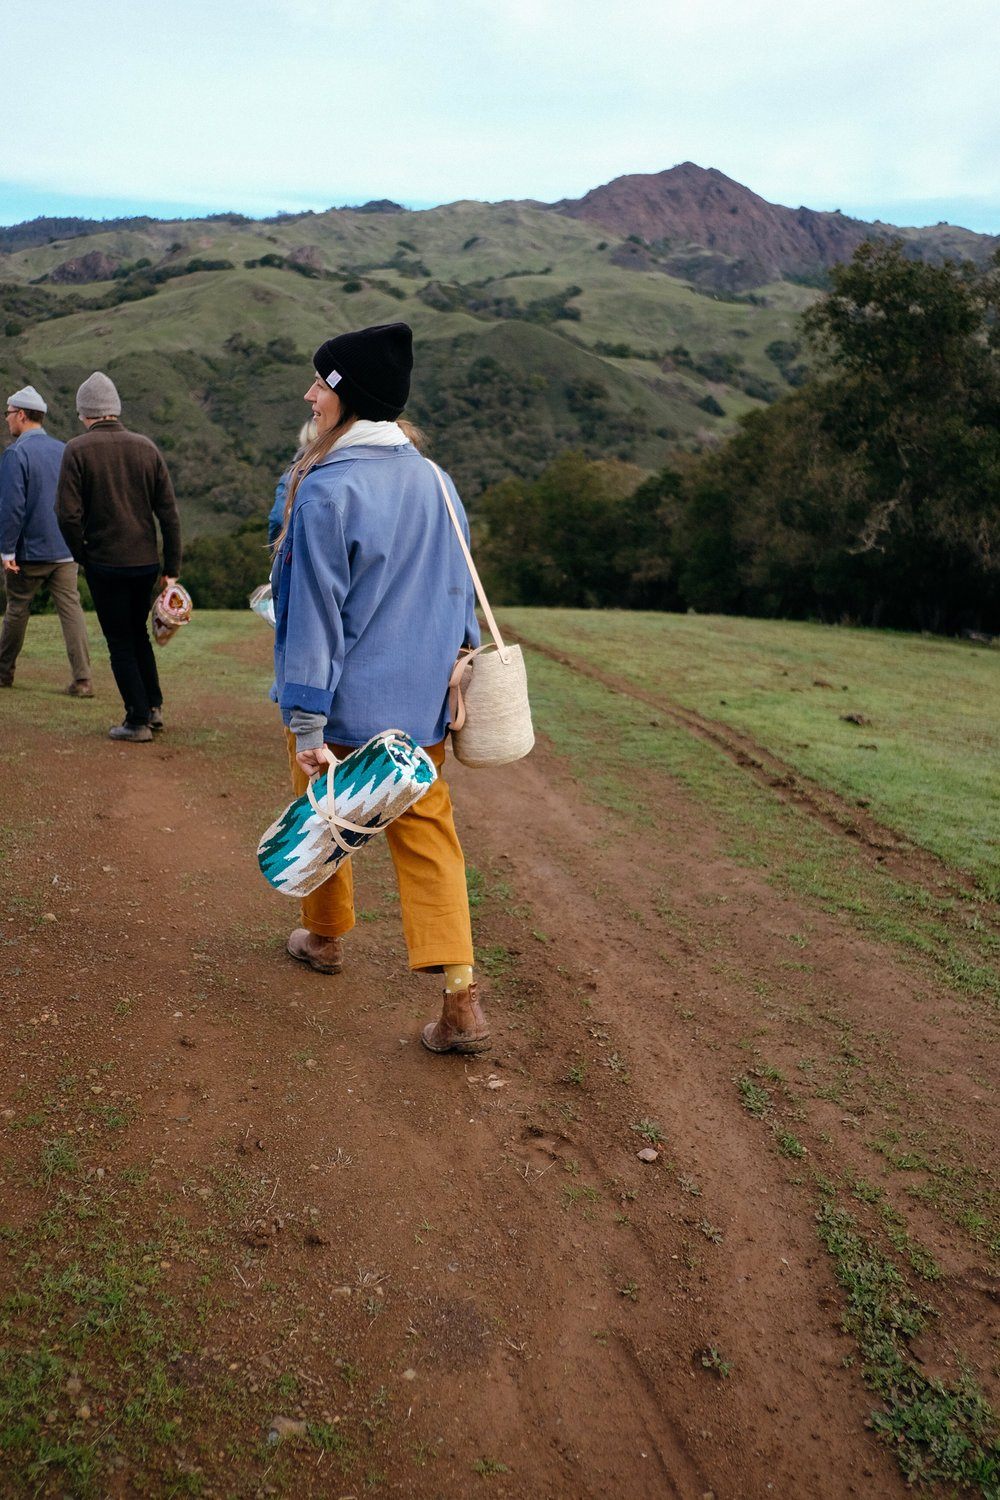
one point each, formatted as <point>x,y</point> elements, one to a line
<point>462,1027</point>
<point>324,954</point>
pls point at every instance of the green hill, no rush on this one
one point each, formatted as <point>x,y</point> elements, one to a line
<point>535,333</point>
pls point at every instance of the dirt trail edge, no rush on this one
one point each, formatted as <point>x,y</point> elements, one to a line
<point>257,1242</point>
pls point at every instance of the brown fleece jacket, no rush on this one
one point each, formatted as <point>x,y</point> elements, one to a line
<point>111,485</point>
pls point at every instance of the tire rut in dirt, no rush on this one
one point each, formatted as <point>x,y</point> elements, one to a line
<point>878,844</point>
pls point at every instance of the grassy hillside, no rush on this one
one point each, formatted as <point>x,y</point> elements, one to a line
<point>531,338</point>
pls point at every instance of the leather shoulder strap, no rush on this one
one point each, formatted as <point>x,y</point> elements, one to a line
<point>491,623</point>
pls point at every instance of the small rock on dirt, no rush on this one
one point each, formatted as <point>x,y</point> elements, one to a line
<point>285,1427</point>
<point>648,1154</point>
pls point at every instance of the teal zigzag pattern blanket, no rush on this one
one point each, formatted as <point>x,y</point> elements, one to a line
<point>372,787</point>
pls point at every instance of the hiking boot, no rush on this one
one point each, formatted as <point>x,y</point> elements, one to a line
<point>81,688</point>
<point>137,734</point>
<point>324,954</point>
<point>462,1027</point>
<point>156,718</point>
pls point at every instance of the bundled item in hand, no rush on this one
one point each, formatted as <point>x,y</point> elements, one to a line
<point>171,610</point>
<point>490,712</point>
<point>371,787</point>
<point>262,603</point>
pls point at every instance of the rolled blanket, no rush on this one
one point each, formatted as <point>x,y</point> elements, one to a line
<point>171,610</point>
<point>372,787</point>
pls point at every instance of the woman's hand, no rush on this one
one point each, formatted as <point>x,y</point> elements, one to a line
<point>315,761</point>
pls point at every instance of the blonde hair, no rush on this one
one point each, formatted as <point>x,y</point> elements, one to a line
<point>414,434</point>
<point>319,447</point>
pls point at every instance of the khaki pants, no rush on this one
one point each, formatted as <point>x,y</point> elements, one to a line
<point>60,579</point>
<point>430,873</point>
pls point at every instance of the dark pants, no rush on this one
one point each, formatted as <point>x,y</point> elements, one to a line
<point>122,605</point>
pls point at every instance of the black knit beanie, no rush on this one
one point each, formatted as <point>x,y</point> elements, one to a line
<point>370,369</point>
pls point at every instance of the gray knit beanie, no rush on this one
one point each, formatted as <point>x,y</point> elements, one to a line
<point>97,397</point>
<point>28,400</point>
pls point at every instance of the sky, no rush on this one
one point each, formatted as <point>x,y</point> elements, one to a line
<point>882,108</point>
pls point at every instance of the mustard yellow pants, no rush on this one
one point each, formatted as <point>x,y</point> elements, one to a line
<point>430,873</point>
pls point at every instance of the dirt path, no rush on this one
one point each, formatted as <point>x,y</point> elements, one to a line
<point>458,1288</point>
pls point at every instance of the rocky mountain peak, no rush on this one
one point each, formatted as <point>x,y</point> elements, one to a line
<point>690,205</point>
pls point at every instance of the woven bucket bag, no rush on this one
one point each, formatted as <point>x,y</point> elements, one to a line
<point>490,712</point>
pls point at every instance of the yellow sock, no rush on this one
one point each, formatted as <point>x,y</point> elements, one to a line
<point>457,977</point>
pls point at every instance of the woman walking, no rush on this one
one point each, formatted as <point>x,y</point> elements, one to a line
<point>373,601</point>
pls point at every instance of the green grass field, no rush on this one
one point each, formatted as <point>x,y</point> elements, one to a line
<point>933,706</point>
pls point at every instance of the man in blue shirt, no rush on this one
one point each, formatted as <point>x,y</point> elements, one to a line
<point>32,548</point>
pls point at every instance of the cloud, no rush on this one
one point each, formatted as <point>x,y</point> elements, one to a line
<point>273,102</point>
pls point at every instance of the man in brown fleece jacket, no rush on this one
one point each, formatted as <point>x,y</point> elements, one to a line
<point>113,488</point>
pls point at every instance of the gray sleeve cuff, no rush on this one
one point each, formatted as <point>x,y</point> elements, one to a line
<point>307,729</point>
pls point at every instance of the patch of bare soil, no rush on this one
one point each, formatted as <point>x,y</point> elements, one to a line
<point>456,1277</point>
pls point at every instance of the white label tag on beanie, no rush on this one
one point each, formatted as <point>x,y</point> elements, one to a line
<point>333,379</point>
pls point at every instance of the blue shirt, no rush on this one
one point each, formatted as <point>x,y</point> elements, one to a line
<point>29,474</point>
<point>372,597</point>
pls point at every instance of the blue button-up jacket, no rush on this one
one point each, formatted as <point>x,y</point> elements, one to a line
<point>372,597</point>
<point>29,473</point>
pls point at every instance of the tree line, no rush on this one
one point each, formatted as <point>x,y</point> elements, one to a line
<point>870,494</point>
